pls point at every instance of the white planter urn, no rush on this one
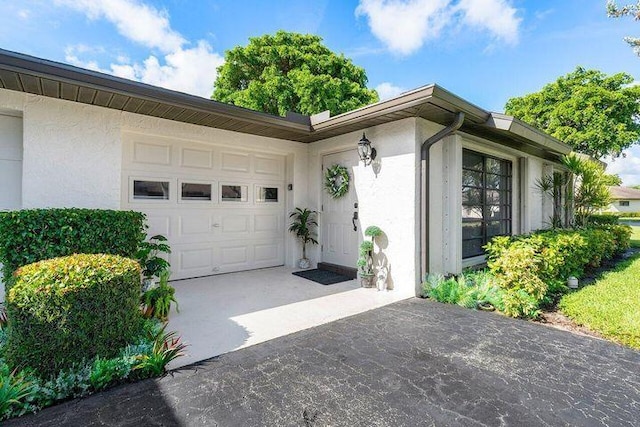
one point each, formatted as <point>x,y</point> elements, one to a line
<point>304,263</point>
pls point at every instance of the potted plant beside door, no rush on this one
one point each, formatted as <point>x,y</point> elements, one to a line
<point>304,225</point>
<point>365,262</point>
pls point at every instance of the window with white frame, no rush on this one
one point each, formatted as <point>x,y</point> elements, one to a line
<point>486,200</point>
<point>623,203</point>
<point>150,190</point>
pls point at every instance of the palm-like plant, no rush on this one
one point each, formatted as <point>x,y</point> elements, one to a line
<point>303,225</point>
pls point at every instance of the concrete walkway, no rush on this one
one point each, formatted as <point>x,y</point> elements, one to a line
<point>226,312</point>
<point>411,363</point>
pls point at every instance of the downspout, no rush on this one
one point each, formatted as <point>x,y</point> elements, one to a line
<point>424,197</point>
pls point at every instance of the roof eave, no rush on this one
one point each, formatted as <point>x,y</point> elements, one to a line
<point>37,67</point>
<point>522,129</point>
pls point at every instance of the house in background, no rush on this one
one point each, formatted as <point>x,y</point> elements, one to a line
<point>624,199</point>
<point>219,180</point>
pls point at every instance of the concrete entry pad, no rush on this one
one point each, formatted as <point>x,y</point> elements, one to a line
<point>227,312</point>
<point>406,364</point>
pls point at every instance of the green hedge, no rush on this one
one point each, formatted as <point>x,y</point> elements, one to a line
<point>69,309</point>
<point>603,219</point>
<point>627,214</point>
<point>28,236</point>
<point>533,269</point>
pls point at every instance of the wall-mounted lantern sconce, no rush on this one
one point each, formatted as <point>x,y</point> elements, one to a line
<point>366,152</point>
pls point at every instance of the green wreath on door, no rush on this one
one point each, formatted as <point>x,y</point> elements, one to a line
<point>336,181</point>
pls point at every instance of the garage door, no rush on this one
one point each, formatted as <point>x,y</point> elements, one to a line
<point>221,208</point>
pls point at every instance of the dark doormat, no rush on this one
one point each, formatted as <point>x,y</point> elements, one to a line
<point>323,277</point>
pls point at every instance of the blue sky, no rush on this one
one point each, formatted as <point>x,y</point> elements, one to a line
<point>483,50</point>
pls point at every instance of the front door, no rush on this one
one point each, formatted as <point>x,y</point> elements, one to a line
<point>339,224</point>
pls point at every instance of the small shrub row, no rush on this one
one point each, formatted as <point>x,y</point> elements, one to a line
<point>32,235</point>
<point>23,391</point>
<point>533,269</point>
<point>603,219</point>
<point>626,214</point>
<point>67,309</point>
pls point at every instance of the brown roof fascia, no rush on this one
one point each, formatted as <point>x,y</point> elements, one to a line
<point>20,63</point>
<point>524,130</point>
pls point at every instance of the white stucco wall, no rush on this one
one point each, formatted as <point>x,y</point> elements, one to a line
<point>634,206</point>
<point>73,157</point>
<point>386,194</point>
<point>531,209</point>
<point>73,153</point>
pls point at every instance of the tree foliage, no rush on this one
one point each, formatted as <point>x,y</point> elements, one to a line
<point>615,11</point>
<point>291,72</point>
<point>594,113</point>
<point>590,185</point>
<point>613,180</point>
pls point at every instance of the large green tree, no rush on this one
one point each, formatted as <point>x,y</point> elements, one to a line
<point>615,11</point>
<point>594,113</point>
<point>291,72</point>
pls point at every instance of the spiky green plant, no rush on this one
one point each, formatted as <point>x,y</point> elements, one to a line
<point>303,226</point>
<point>14,389</point>
<point>167,346</point>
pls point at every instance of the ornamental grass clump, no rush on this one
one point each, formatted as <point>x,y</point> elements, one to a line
<point>66,310</point>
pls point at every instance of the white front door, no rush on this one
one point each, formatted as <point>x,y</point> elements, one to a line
<point>340,231</point>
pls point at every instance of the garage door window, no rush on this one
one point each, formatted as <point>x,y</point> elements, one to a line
<point>266,194</point>
<point>150,190</point>
<point>233,193</point>
<point>195,191</point>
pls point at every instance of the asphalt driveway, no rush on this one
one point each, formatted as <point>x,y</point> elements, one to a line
<point>411,363</point>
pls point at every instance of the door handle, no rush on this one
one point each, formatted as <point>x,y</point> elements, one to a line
<point>354,219</point>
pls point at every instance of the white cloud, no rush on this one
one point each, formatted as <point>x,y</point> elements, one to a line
<point>24,14</point>
<point>627,167</point>
<point>405,25</point>
<point>497,16</point>
<point>134,20</point>
<point>388,90</point>
<point>185,67</point>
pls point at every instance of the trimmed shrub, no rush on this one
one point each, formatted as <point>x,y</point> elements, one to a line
<point>603,219</point>
<point>626,214</point>
<point>69,309</point>
<point>533,269</point>
<point>28,236</point>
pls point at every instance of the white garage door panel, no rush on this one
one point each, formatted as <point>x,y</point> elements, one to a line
<point>235,162</point>
<point>210,236</point>
<point>192,261</point>
<point>268,252</point>
<point>196,225</point>
<point>158,224</point>
<point>270,166</point>
<point>235,225</point>
<point>154,154</point>
<point>195,158</point>
<point>234,257</point>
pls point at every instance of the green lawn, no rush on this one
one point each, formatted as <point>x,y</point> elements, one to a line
<point>635,237</point>
<point>611,306</point>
